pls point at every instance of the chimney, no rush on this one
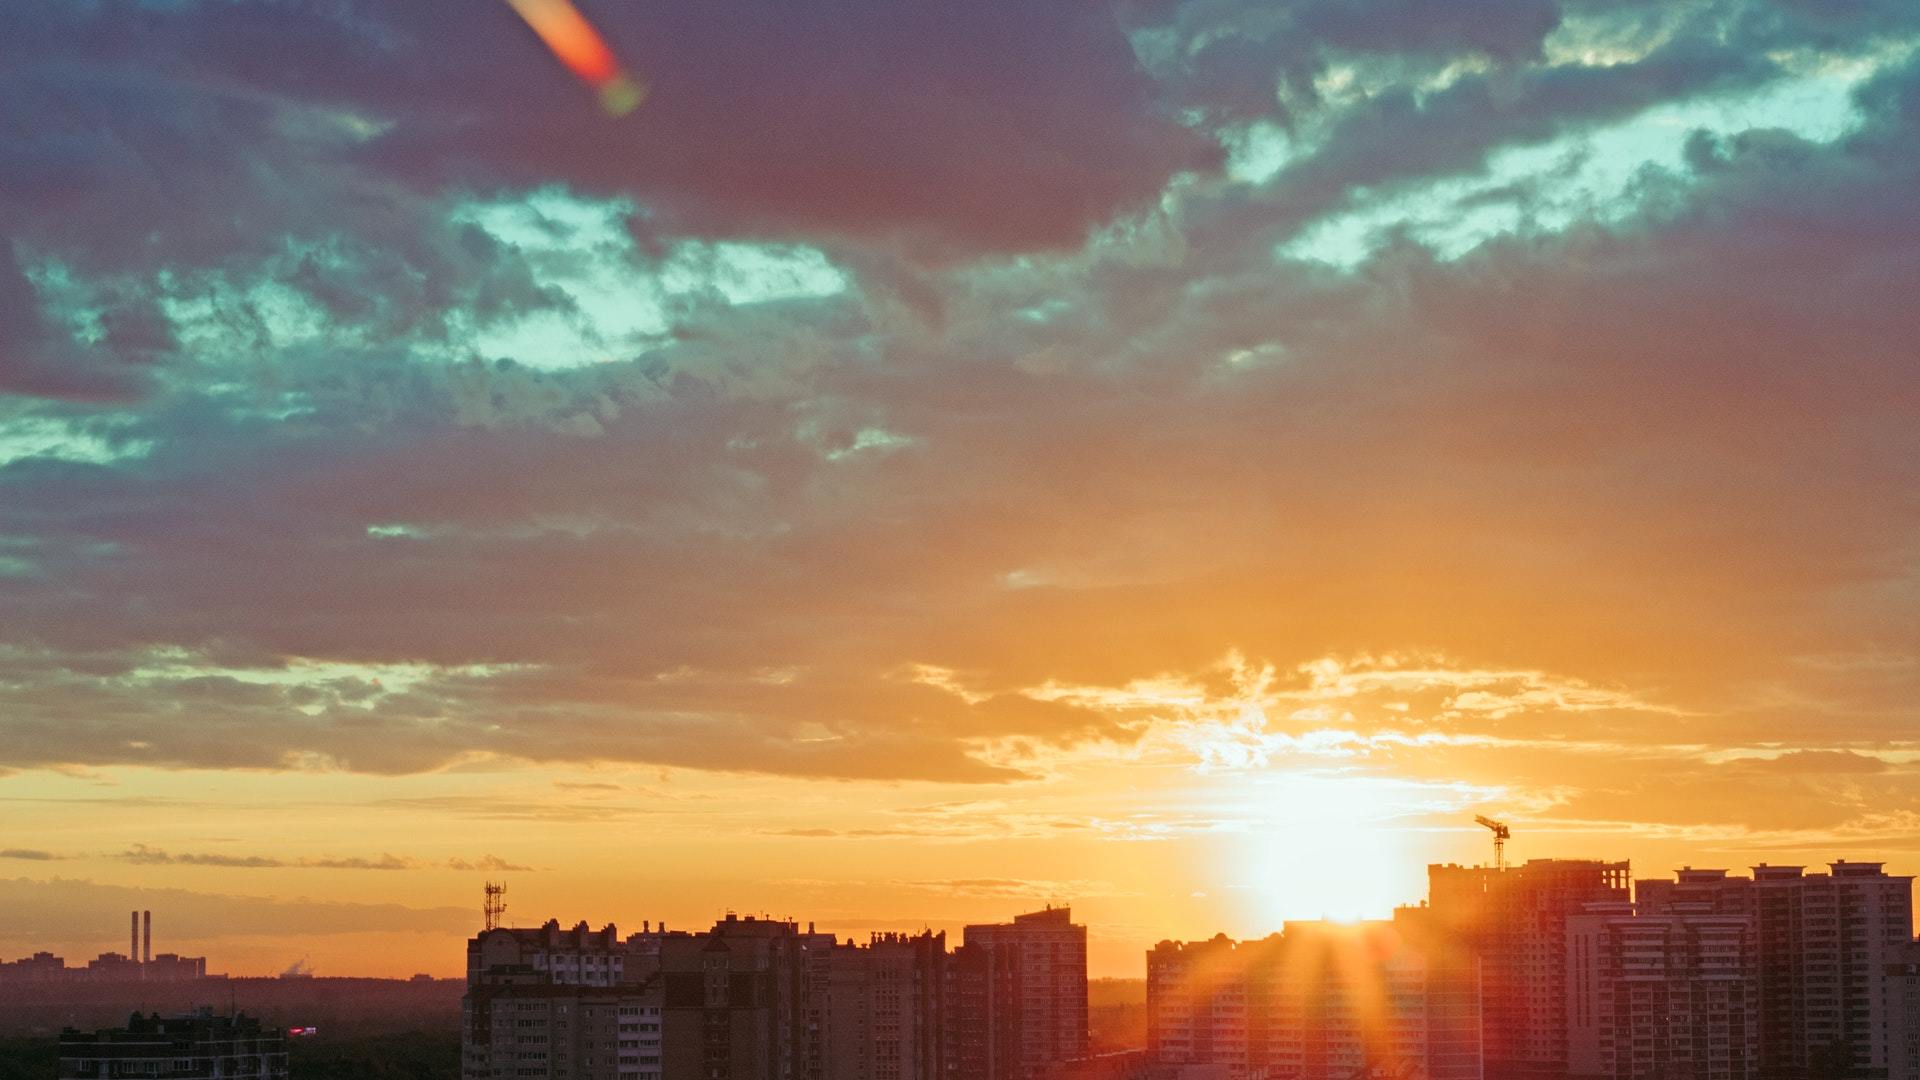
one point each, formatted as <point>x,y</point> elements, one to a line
<point>133,936</point>
<point>146,949</point>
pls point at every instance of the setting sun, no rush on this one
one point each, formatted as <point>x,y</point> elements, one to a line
<point>1005,540</point>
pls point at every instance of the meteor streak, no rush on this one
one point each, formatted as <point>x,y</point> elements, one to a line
<point>581,48</point>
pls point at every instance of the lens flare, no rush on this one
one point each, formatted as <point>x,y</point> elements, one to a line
<point>581,48</point>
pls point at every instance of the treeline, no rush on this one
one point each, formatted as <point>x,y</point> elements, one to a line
<point>28,1059</point>
<point>412,1055</point>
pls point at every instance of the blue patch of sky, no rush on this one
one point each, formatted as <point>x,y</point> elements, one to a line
<point>1593,175</point>
<point>622,300</point>
<point>57,438</point>
<point>619,301</point>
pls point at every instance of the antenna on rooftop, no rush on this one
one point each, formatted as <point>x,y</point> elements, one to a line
<point>1500,835</point>
<point>496,905</point>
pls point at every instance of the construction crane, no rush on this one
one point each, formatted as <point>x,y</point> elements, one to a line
<point>1500,834</point>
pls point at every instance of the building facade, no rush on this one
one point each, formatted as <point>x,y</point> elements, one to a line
<point>1514,920</point>
<point>1670,996</point>
<point>1318,1001</point>
<point>749,999</point>
<point>746,999</point>
<point>885,1015</point>
<point>553,1004</point>
<point>1020,999</point>
<point>199,1046</point>
<point>1826,950</point>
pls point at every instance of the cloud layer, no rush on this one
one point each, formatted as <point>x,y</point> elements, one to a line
<point>913,392</point>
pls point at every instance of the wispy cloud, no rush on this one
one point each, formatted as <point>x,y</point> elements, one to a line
<point>141,854</point>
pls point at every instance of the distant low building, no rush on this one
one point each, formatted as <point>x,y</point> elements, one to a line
<point>199,1046</point>
<point>137,964</point>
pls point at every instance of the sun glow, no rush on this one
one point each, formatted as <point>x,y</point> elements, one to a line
<point>1326,845</point>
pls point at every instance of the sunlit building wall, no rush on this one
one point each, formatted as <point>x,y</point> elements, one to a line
<point>1669,996</point>
<point>1197,999</point>
<point>1829,948</point>
<point>1514,919</point>
<point>1318,1001</point>
<point>1021,1002</point>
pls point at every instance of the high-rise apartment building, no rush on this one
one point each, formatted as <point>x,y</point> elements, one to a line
<point>1903,1012</point>
<point>886,1008</point>
<point>1669,996</point>
<point>745,1000</point>
<point>1318,1001</point>
<point>749,999</point>
<point>1514,920</point>
<point>1019,1000</point>
<point>1208,1001</point>
<point>553,1004</point>
<point>1828,951</point>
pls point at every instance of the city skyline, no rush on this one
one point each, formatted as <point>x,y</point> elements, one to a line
<point>526,912</point>
<point>894,462</point>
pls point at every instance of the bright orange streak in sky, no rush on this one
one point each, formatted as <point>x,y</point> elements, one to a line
<point>581,48</point>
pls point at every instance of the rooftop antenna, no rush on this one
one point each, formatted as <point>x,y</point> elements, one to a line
<point>1500,835</point>
<point>496,904</point>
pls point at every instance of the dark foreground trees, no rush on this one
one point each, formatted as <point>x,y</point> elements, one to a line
<point>413,1055</point>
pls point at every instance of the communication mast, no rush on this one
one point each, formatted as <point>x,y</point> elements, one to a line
<point>1500,834</point>
<point>496,905</point>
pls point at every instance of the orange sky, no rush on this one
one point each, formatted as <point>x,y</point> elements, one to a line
<point>931,460</point>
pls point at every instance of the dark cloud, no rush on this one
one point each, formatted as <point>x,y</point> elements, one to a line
<point>1235,61</point>
<point>1001,126</point>
<point>41,359</point>
<point>141,854</point>
<point>29,854</point>
<point>1672,452</point>
<point>492,863</point>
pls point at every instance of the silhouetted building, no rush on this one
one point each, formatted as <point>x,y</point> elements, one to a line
<point>137,964</point>
<point>1668,996</point>
<point>40,966</point>
<point>1828,948</point>
<point>1018,1002</point>
<point>1514,918</point>
<point>1318,1001</point>
<point>168,967</point>
<point>746,999</point>
<point>558,1005</point>
<point>1903,1002</point>
<point>763,999</point>
<point>201,1046</point>
<point>885,1015</point>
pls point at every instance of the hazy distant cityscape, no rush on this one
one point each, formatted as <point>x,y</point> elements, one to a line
<point>1550,969</point>
<point>1553,968</point>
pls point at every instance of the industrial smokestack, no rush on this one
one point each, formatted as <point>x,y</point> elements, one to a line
<point>133,935</point>
<point>146,948</point>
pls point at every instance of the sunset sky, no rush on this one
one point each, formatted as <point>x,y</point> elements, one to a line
<point>1184,459</point>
